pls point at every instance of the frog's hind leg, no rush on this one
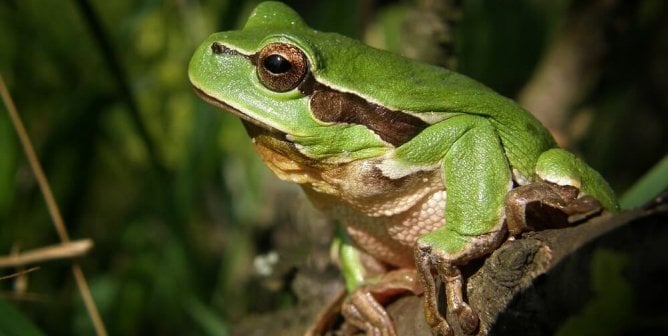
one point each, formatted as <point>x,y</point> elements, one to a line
<point>477,179</point>
<point>545,205</point>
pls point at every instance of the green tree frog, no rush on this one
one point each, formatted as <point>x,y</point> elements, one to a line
<point>424,168</point>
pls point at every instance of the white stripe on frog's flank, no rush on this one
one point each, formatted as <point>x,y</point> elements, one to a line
<point>519,178</point>
<point>395,169</point>
<point>561,180</point>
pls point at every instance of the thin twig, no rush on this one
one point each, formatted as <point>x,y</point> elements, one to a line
<point>51,204</point>
<point>19,273</point>
<point>67,250</point>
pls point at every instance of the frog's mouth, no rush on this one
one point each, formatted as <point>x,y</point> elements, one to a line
<point>258,126</point>
<point>261,133</point>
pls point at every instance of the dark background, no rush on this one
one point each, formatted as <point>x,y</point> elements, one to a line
<point>169,188</point>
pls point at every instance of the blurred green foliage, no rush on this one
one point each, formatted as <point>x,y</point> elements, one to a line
<point>170,189</point>
<point>612,299</point>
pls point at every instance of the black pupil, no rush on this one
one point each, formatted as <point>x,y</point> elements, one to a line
<point>276,64</point>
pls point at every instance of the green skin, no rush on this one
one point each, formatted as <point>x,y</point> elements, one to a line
<point>483,144</point>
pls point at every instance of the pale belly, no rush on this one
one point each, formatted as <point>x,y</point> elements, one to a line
<point>391,239</point>
<point>388,236</point>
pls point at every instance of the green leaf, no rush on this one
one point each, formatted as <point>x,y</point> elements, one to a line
<point>647,187</point>
<point>13,322</point>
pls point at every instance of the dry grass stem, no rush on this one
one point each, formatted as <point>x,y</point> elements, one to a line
<point>67,250</point>
<point>51,204</point>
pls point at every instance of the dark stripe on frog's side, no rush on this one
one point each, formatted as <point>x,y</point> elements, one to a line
<point>330,105</point>
<point>395,127</point>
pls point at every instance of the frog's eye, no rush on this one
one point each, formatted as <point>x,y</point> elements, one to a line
<point>281,67</point>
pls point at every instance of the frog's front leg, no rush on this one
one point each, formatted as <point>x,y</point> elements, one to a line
<point>370,287</point>
<point>363,311</point>
<point>364,306</point>
<point>477,179</point>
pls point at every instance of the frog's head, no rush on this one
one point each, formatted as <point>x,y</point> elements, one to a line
<point>278,75</point>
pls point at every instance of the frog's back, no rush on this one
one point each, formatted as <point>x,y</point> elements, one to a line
<point>432,94</point>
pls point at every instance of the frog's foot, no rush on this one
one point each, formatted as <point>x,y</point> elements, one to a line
<point>542,205</point>
<point>363,308</point>
<point>453,281</point>
<point>364,312</point>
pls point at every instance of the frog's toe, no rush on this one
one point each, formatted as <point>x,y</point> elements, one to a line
<point>583,208</point>
<point>442,329</point>
<point>468,319</point>
<point>453,280</point>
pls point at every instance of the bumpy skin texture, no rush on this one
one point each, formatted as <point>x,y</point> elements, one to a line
<point>414,160</point>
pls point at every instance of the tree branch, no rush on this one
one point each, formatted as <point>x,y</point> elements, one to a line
<point>552,279</point>
<point>534,285</point>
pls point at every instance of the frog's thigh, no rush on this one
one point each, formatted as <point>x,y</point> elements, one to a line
<point>477,179</point>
